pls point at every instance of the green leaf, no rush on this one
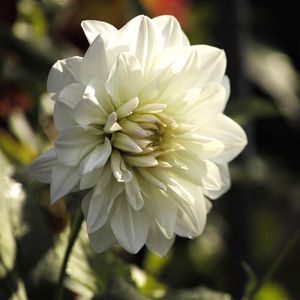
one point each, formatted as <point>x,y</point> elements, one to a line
<point>148,285</point>
<point>89,273</point>
<point>11,201</point>
<point>121,290</point>
<point>272,291</point>
<point>274,72</point>
<point>251,108</point>
<point>154,264</point>
<point>252,280</point>
<point>15,149</point>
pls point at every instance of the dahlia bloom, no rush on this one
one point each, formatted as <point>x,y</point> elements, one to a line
<point>141,129</point>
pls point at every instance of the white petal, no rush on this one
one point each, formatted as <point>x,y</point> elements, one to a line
<point>125,78</point>
<point>229,133</point>
<point>93,28</point>
<point>73,143</point>
<point>142,142</point>
<point>157,241</point>
<point>171,31</point>
<point>182,68</point>
<point>127,108</point>
<point>64,179</point>
<point>149,176</point>
<point>124,142</point>
<point>151,108</point>
<point>88,112</point>
<point>197,104</point>
<point>41,168</point>
<point>132,128</point>
<point>111,123</point>
<point>178,188</point>
<point>71,94</point>
<point>94,64</point>
<point>63,73</point>
<point>119,169</point>
<point>133,193</point>
<point>162,207</point>
<point>195,166</point>
<point>105,178</point>
<point>130,227</point>
<point>90,179</point>
<point>191,219</point>
<point>181,191</point>
<point>211,101</point>
<point>201,146</point>
<point>223,184</point>
<point>200,65</point>
<point>143,38</point>
<point>175,161</point>
<point>100,206</point>
<point>102,239</point>
<point>208,205</point>
<point>63,116</point>
<point>141,160</point>
<point>147,118</point>
<point>96,158</point>
<point>157,80</point>
<point>96,90</point>
<point>165,61</point>
<point>114,51</point>
<point>85,202</point>
<point>226,84</point>
<point>212,179</point>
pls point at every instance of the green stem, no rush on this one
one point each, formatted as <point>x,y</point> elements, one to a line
<point>275,264</point>
<point>77,221</point>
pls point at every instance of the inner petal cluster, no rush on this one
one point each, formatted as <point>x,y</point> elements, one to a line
<point>141,134</point>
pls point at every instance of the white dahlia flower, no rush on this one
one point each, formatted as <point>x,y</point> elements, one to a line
<point>141,128</point>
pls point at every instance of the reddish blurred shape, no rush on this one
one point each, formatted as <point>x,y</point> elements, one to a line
<point>13,97</point>
<point>56,217</point>
<point>177,8</point>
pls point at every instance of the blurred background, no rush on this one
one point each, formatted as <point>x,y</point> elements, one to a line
<point>247,227</point>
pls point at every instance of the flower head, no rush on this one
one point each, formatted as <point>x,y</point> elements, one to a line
<point>141,128</point>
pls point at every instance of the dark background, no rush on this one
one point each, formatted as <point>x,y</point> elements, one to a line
<point>254,221</point>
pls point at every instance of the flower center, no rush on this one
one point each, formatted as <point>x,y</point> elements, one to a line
<point>156,135</point>
<point>139,137</point>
